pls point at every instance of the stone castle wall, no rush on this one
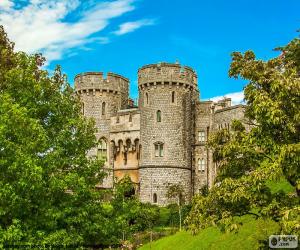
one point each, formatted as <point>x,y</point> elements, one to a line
<point>125,139</point>
<point>169,89</point>
<point>203,123</point>
<point>156,180</point>
<point>132,133</point>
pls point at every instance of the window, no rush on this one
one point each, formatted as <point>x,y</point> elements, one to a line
<point>201,136</point>
<point>82,108</point>
<point>158,116</point>
<point>173,96</point>
<point>201,165</point>
<point>102,150</point>
<point>118,119</point>
<point>154,198</point>
<point>103,108</point>
<point>147,98</point>
<point>159,150</point>
<point>130,117</point>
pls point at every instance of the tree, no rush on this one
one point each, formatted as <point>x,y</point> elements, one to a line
<point>176,191</point>
<point>269,151</point>
<point>47,184</point>
<point>129,214</point>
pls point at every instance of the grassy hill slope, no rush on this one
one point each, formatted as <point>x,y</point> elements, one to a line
<point>251,233</point>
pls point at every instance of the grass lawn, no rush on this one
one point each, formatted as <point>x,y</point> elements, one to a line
<point>249,236</point>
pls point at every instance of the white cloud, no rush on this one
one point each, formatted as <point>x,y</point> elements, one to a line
<point>132,26</point>
<point>236,97</point>
<point>40,26</point>
<point>6,4</point>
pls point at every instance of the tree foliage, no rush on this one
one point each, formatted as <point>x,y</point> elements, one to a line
<point>47,184</point>
<point>248,159</point>
<point>128,214</point>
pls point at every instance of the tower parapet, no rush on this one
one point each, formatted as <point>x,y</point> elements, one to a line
<point>162,73</point>
<point>95,82</point>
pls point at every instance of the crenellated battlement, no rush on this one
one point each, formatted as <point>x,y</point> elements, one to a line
<point>96,81</point>
<point>170,73</point>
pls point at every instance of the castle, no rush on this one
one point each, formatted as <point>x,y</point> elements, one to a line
<point>161,141</point>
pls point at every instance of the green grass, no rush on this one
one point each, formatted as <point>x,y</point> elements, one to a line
<point>249,236</point>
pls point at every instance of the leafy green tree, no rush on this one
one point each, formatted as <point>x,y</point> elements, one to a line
<point>130,214</point>
<point>248,159</point>
<point>47,184</point>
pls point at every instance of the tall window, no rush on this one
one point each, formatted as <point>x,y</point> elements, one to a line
<point>154,198</point>
<point>118,119</point>
<point>201,136</point>
<point>201,165</point>
<point>82,108</point>
<point>103,108</point>
<point>158,116</point>
<point>130,117</point>
<point>159,150</point>
<point>147,99</point>
<point>102,150</point>
<point>173,96</point>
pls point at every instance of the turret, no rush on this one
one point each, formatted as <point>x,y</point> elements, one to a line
<point>101,99</point>
<point>167,94</point>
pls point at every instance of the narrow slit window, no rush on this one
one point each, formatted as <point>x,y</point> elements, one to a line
<point>147,99</point>
<point>173,96</point>
<point>103,108</point>
<point>154,198</point>
<point>158,116</point>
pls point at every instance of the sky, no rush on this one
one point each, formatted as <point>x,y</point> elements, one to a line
<point>121,36</point>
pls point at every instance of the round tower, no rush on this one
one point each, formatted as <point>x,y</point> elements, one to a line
<point>167,93</point>
<point>101,98</point>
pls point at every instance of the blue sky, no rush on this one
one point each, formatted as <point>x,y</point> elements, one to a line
<point>122,35</point>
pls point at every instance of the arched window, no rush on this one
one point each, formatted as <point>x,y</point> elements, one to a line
<point>173,96</point>
<point>201,165</point>
<point>103,108</point>
<point>154,198</point>
<point>128,144</point>
<point>158,116</point>
<point>159,149</point>
<point>102,149</point>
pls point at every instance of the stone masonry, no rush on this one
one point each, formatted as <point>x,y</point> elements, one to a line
<point>160,142</point>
